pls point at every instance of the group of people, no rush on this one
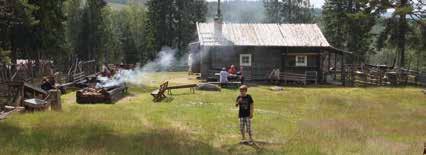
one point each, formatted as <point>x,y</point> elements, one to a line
<point>230,74</point>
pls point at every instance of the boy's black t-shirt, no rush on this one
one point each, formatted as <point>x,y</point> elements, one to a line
<point>244,105</point>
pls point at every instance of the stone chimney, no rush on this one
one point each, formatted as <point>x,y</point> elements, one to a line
<point>218,21</point>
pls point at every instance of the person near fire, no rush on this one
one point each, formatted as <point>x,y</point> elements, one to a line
<point>46,84</point>
<point>190,64</point>
<point>246,107</point>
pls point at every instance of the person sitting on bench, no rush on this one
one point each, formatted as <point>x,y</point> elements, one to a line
<point>223,77</point>
<point>232,70</point>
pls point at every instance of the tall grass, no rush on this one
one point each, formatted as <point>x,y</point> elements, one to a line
<point>294,121</point>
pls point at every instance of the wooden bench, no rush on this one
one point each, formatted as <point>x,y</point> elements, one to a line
<point>158,94</point>
<point>304,78</point>
<point>286,76</point>
<point>190,86</point>
<point>312,76</point>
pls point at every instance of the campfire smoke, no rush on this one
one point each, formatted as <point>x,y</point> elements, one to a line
<point>166,58</point>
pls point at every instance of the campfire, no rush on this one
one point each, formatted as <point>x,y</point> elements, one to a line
<point>98,94</point>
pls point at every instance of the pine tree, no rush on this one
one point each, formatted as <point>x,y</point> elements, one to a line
<point>288,11</point>
<point>273,11</point>
<point>49,34</point>
<point>348,24</point>
<point>172,23</point>
<point>73,10</point>
<point>90,45</point>
<point>397,27</point>
<point>16,21</point>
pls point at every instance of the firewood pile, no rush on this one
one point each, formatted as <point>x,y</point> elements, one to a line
<point>101,95</point>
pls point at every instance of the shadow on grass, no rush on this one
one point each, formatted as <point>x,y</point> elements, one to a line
<point>181,94</point>
<point>96,139</point>
<point>259,146</point>
<point>168,99</point>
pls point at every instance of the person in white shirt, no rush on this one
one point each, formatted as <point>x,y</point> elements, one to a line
<point>190,64</point>
<point>223,76</point>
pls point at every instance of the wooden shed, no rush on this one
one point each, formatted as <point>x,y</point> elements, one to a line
<point>258,49</point>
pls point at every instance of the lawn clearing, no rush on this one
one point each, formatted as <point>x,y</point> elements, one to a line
<point>294,121</point>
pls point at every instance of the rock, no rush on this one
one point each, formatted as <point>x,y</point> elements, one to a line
<point>276,88</point>
<point>208,87</point>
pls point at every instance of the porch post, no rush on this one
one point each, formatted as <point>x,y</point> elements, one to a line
<point>335,66</point>
<point>329,64</point>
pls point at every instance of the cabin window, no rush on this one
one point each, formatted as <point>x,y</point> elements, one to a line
<point>245,60</point>
<point>301,61</point>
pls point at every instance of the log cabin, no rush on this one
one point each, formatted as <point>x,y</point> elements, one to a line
<point>258,49</point>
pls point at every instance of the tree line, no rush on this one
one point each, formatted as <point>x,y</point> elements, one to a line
<point>377,31</point>
<point>91,29</point>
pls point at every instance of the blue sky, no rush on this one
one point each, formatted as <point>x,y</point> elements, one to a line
<point>316,3</point>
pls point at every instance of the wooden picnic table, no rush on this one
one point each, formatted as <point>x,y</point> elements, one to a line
<point>190,86</point>
<point>231,77</point>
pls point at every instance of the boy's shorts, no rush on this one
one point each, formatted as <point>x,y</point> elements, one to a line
<point>245,122</point>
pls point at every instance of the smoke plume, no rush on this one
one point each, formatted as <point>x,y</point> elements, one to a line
<point>166,58</point>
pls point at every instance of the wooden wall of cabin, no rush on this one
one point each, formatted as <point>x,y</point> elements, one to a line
<point>313,60</point>
<point>264,60</point>
<point>289,65</point>
<point>195,51</point>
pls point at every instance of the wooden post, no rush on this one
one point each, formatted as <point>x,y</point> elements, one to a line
<point>55,99</point>
<point>353,74</point>
<point>335,66</point>
<point>342,72</point>
<point>329,66</point>
<point>22,92</point>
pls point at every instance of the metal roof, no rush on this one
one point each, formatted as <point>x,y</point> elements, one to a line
<point>287,35</point>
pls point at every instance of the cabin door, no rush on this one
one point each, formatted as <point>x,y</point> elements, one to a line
<point>246,63</point>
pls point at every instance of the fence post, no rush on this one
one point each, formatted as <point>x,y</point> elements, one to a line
<point>55,99</point>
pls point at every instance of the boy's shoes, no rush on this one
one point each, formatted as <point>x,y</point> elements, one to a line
<point>250,142</point>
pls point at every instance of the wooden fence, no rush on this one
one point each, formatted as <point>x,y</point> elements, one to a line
<point>376,75</point>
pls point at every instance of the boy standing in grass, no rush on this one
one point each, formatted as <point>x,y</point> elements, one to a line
<point>245,103</point>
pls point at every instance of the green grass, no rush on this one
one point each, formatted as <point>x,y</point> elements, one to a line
<point>294,121</point>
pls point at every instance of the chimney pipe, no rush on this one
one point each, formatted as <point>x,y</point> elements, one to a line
<point>218,21</point>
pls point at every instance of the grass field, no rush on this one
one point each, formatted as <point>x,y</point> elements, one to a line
<point>294,121</point>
